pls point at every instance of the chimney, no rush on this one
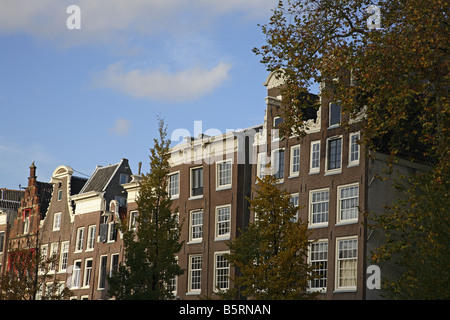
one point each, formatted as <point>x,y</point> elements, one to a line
<point>32,177</point>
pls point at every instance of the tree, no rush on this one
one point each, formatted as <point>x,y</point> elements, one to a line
<point>398,75</point>
<point>30,275</point>
<point>271,254</point>
<point>150,250</point>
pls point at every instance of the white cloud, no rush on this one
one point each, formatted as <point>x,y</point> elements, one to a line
<point>188,84</point>
<point>121,127</point>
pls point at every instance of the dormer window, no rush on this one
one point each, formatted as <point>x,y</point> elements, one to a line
<point>124,178</point>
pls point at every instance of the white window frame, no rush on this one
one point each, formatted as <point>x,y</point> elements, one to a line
<point>313,258</point>
<point>112,259</point>
<point>218,224</point>
<point>275,167</point>
<point>311,213</point>
<point>293,173</point>
<point>352,163</point>
<point>56,221</point>
<point>335,125</point>
<point>339,218</point>
<point>79,244</point>
<point>88,272</point>
<point>92,230</point>
<point>224,269</point>
<point>64,256</point>
<point>311,155</point>
<point>54,247</point>
<point>133,222</point>
<point>340,262</point>
<point>219,172</point>
<point>76,275</point>
<point>60,195</point>
<point>261,169</point>
<point>191,182</point>
<point>173,190</point>
<point>193,238</point>
<point>100,272</point>
<point>275,129</point>
<point>111,229</point>
<point>335,170</point>
<point>197,273</point>
<point>294,201</point>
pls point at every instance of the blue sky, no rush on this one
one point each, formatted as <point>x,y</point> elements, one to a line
<point>90,96</point>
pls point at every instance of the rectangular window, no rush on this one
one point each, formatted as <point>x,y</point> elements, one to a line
<point>174,185</point>
<point>348,201</point>
<point>294,201</point>
<point>278,163</point>
<point>56,221</point>
<point>353,156</point>
<point>54,255</point>
<point>334,154</point>
<point>315,157</point>
<point>114,263</point>
<point>262,165</point>
<point>318,207</point>
<point>102,272</point>
<point>347,250</point>
<point>295,161</point>
<point>124,178</point>
<point>196,226</point>
<point>335,114</point>
<point>2,241</point>
<point>318,257</point>
<point>195,273</point>
<point>76,273</point>
<point>91,237</point>
<point>112,232</point>
<point>59,195</point>
<point>196,182</point>
<point>223,217</point>
<point>221,272</point>
<point>223,171</point>
<point>87,272</point>
<point>133,216</point>
<point>64,256</point>
<point>80,239</point>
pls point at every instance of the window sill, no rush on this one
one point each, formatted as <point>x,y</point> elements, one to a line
<point>222,238</point>
<point>351,165</point>
<point>314,172</point>
<point>344,290</point>
<point>193,293</point>
<point>316,226</point>
<point>330,173</point>
<point>294,176</point>
<point>174,197</point>
<point>195,241</point>
<point>344,223</point>
<point>195,197</point>
<point>223,188</point>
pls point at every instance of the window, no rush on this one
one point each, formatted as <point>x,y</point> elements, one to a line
<point>133,216</point>
<point>56,221</point>
<point>334,154</point>
<point>196,226</point>
<point>318,258</point>
<point>112,232</point>
<point>174,185</point>
<point>295,161</point>
<point>59,195</point>
<point>278,163</point>
<point>223,216</point>
<point>87,272</point>
<point>102,272</point>
<point>353,152</point>
<point>173,282</point>
<point>294,201</point>
<point>124,178</point>
<point>196,182</point>
<point>223,170</point>
<point>26,224</point>
<point>121,200</point>
<point>335,114</point>
<point>276,124</point>
<point>262,165</point>
<point>347,250</point>
<point>315,157</point>
<point>318,207</point>
<point>80,239</point>
<point>64,256</point>
<point>221,271</point>
<point>114,263</point>
<point>91,237</point>
<point>348,198</point>
<point>195,273</point>
<point>53,255</point>
<point>2,241</point>
<point>76,273</point>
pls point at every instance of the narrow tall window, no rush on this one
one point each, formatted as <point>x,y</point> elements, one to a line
<point>295,160</point>
<point>353,158</point>
<point>278,163</point>
<point>196,226</point>
<point>221,272</point>
<point>334,153</point>
<point>76,273</point>
<point>91,237</point>
<point>56,221</point>
<point>195,273</point>
<point>335,114</point>
<point>174,185</point>
<point>64,256</point>
<point>223,216</point>
<point>102,272</point>
<point>80,239</point>
<point>87,272</point>
<point>315,157</point>
<point>223,172</point>
<point>196,182</point>
<point>318,259</point>
<point>347,249</point>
